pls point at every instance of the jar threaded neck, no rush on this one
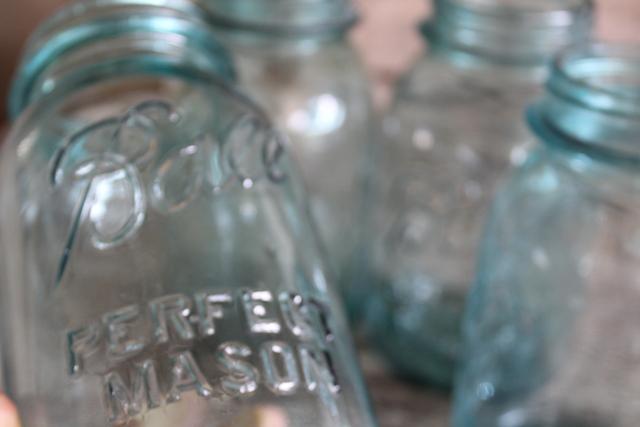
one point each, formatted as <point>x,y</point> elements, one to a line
<point>510,31</point>
<point>282,17</point>
<point>150,33</point>
<point>593,102</point>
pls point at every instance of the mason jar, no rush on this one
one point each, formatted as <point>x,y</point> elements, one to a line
<point>294,58</point>
<point>551,333</point>
<point>160,269</point>
<point>454,130</point>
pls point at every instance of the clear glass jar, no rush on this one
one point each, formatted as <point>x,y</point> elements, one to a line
<point>293,57</point>
<point>453,132</point>
<point>551,333</point>
<point>160,268</point>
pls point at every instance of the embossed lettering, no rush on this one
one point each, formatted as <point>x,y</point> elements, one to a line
<point>280,367</point>
<point>295,358</point>
<point>210,307</point>
<point>120,324</point>
<point>82,343</point>
<point>145,384</point>
<point>319,376</point>
<point>318,371</point>
<point>179,179</point>
<point>242,378</point>
<point>296,316</point>
<point>323,317</point>
<point>123,402</point>
<point>186,376</point>
<point>171,310</point>
<point>257,308</point>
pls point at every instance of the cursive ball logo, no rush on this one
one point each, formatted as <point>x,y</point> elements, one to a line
<point>116,169</point>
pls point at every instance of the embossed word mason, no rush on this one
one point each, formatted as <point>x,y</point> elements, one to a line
<point>149,355</point>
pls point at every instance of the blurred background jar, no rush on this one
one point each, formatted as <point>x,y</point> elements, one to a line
<point>160,268</point>
<point>293,57</point>
<point>552,328</point>
<point>454,130</point>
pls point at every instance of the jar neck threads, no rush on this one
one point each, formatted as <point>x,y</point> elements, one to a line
<point>282,18</point>
<point>592,103</point>
<point>509,31</point>
<point>99,39</point>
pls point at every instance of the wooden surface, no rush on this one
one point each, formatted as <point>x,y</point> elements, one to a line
<point>401,404</point>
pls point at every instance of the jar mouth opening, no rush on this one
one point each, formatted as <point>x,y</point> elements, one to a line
<point>538,13</point>
<point>81,11</point>
<point>593,103</point>
<point>512,31</point>
<point>600,76</point>
<point>519,6</point>
<point>282,19</point>
<point>284,30</point>
<point>86,23</point>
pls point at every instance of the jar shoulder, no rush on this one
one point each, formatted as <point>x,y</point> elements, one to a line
<point>554,182</point>
<point>435,73</point>
<point>538,188</point>
<point>322,94</point>
<point>458,120</point>
<point>332,66</point>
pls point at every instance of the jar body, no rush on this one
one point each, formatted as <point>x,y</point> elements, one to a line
<point>161,269</point>
<point>454,131</point>
<point>317,92</point>
<point>551,323</point>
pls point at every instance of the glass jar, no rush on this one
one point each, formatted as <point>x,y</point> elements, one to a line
<point>453,132</point>
<point>160,268</point>
<point>292,56</point>
<point>552,337</point>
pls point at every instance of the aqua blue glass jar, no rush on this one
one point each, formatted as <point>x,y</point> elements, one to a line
<point>293,57</point>
<point>453,132</point>
<point>551,332</point>
<point>159,265</point>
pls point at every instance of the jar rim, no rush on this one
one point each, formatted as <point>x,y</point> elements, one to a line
<point>90,21</point>
<point>519,6</point>
<point>600,76</point>
<point>311,22</point>
<point>510,31</point>
<point>592,103</point>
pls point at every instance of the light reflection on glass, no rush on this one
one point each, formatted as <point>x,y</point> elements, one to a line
<point>321,115</point>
